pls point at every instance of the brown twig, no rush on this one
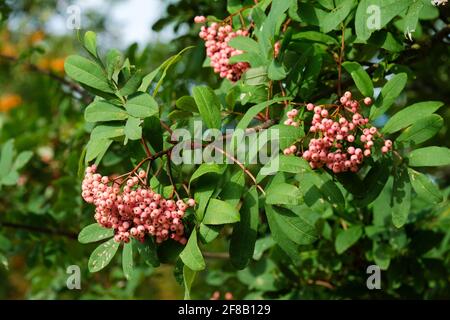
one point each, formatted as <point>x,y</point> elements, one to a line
<point>37,229</point>
<point>321,283</point>
<point>286,24</point>
<point>147,150</point>
<point>166,127</point>
<point>246,171</point>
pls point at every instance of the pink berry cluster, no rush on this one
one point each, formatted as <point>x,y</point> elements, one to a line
<point>341,139</point>
<point>216,39</point>
<point>134,210</point>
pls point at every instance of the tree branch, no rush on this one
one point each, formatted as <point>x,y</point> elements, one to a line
<point>43,230</point>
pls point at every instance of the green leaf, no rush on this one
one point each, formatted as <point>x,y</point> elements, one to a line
<point>96,147</point>
<point>6,158</point>
<point>245,44</point>
<point>373,183</point>
<point>133,129</point>
<point>188,279</point>
<point>280,237</point>
<point>381,255</point>
<point>295,227</point>
<point>347,238</point>
<point>429,157</point>
<point>253,111</point>
<point>93,233</point>
<point>269,27</point>
<point>220,212</point>
<point>107,132</point>
<point>424,187</point>
<point>412,17</point>
<point>113,63</point>
<point>206,168</point>
<point>191,254</point>
<point>242,243</point>
<point>255,76</point>
<point>315,36</point>
<point>260,276</point>
<point>142,105</point>
<point>87,72</point>
<point>99,111</point>
<point>261,246</point>
<point>209,232</point>
<point>187,103</point>
<point>372,15</point>
<point>410,115</point>
<point>90,42</point>
<point>202,195</point>
<point>388,95</point>
<point>127,260</point>
<point>310,75</point>
<point>10,179</point>
<point>401,197</point>
<point>147,251</point>
<point>148,79</point>
<point>252,58</point>
<point>153,133</point>
<point>234,188</point>
<point>22,159</point>
<point>293,164</point>
<point>208,105</point>
<point>287,135</point>
<point>360,76</point>
<point>422,130</point>
<point>276,70</point>
<point>284,193</point>
<point>132,84</point>
<point>322,187</point>
<point>284,163</point>
<point>102,255</point>
<point>332,19</point>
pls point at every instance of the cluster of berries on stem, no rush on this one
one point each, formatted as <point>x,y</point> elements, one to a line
<point>342,135</point>
<point>134,210</point>
<point>217,38</point>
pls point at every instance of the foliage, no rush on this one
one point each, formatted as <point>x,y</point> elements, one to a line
<point>299,233</point>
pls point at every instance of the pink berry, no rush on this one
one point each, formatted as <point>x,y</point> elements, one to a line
<point>199,19</point>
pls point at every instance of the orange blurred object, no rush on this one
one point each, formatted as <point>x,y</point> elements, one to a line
<point>9,101</point>
<point>37,36</point>
<point>57,65</point>
<point>8,49</point>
